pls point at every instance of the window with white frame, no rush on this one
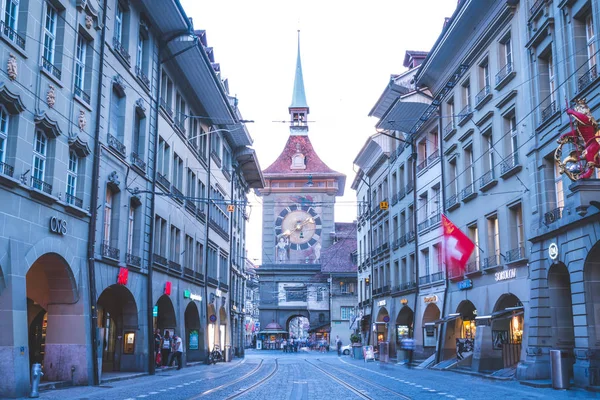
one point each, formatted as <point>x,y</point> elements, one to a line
<point>493,241</point>
<point>40,149</point>
<point>199,257</point>
<point>4,121</point>
<point>469,169</point>
<point>473,233</point>
<point>119,14</point>
<point>175,244</point>
<point>160,236</point>
<point>130,229</point>
<point>80,54</point>
<point>72,178</point>
<point>108,206</point>
<point>506,50</point>
<point>189,252</point>
<point>488,159</point>
<point>517,232</point>
<point>50,34</point>
<point>590,38</point>
<point>558,187</point>
<point>345,312</point>
<point>11,14</point>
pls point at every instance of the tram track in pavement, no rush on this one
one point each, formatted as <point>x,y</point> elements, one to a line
<point>238,380</point>
<point>359,392</point>
<point>255,385</point>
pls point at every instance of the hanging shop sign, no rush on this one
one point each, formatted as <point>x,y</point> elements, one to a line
<point>155,311</point>
<point>123,276</point>
<point>553,251</point>
<point>168,288</point>
<point>506,274</point>
<point>404,301</point>
<point>218,292</point>
<point>466,284</point>
<point>58,226</point>
<point>430,299</point>
<point>381,303</point>
<point>192,296</point>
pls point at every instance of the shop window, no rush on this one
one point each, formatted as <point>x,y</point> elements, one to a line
<point>129,343</point>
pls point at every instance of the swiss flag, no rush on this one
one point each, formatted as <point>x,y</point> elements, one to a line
<point>457,247</point>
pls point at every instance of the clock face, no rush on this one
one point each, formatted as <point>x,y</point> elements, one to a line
<point>301,224</point>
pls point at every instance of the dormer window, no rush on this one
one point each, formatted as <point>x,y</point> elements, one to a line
<point>298,161</point>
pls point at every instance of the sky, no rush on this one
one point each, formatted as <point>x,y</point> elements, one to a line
<point>349,49</point>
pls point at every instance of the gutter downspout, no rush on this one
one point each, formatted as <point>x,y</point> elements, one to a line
<point>93,207</point>
<point>232,294</point>
<point>413,147</point>
<point>369,334</point>
<point>208,189</point>
<point>442,338</point>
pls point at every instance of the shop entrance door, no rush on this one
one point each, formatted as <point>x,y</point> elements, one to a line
<point>109,340</point>
<point>37,338</point>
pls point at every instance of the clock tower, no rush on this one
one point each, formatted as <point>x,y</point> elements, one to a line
<point>298,223</point>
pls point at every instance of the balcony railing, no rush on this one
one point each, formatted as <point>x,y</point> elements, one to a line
<point>424,280</point>
<point>587,78</point>
<point>160,260</point>
<point>41,185</point>
<point>548,111</point>
<point>166,107</point>
<point>191,207</point>
<point>451,201</point>
<point>410,236</point>
<point>110,252</point>
<point>212,280</point>
<point>438,276</point>
<point>510,162</point>
<point>395,199</point>
<point>177,195</point>
<point>161,179</point>
<point>386,289</point>
<point>504,72</point>
<point>433,156</point>
<point>422,165</point>
<point>536,6</point>
<point>401,193</point>
<point>402,241</point>
<point>553,216</point>
<point>436,218</point>
<point>467,192</point>
<point>137,161</point>
<point>199,276</point>
<point>464,113</point>
<point>473,266</point>
<point>121,50</point>
<point>51,68</point>
<point>482,94</point>
<point>515,254</point>
<point>486,178</point>
<point>117,145</point>
<point>408,285</point>
<point>74,201</point>
<point>491,261</point>
<point>409,187</point>
<point>179,122</point>
<point>81,93</point>
<point>135,261</point>
<point>12,35</point>
<point>6,169</point>
<point>449,128</point>
<point>423,225</point>
<point>142,76</point>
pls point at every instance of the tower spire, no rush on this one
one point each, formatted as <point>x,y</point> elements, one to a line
<point>299,107</point>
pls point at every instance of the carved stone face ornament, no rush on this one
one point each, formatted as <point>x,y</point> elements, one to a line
<point>51,96</point>
<point>11,67</point>
<point>88,22</point>
<point>82,121</point>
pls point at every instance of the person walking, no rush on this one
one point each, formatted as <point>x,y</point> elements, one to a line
<point>338,344</point>
<point>178,351</point>
<point>165,348</point>
<point>157,340</point>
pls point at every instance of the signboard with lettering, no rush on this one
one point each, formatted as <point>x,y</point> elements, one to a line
<point>506,274</point>
<point>404,301</point>
<point>430,299</point>
<point>381,303</point>
<point>553,251</point>
<point>155,311</point>
<point>368,353</point>
<point>466,284</point>
<point>58,226</point>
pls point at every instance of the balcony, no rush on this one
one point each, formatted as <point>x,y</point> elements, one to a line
<point>110,252</point>
<point>386,289</point>
<point>455,274</point>
<point>163,181</point>
<point>487,181</point>
<point>41,185</point>
<point>7,170</point>
<point>483,97</point>
<point>548,112</point>
<point>435,155</point>
<point>504,75</point>
<point>410,236</point>
<point>74,201</point>
<point>179,123</point>
<point>160,260</point>
<point>188,272</point>
<point>535,7</point>
<point>409,187</point>
<point>142,76</point>
<point>423,226</point>
<point>587,78</point>
<point>191,207</point>
<point>132,260</point>
<point>223,286</point>
<point>81,93</point>
<point>174,267</point>
<point>122,51</point>
<point>491,262</point>
<point>115,144</point>
<point>402,241</point>
<point>473,266</point>
<point>430,279</point>
<point>137,162</point>
<point>408,285</point>
<point>394,199</point>
<point>212,281</point>
<point>510,166</point>
<point>449,129</point>
<point>395,243</point>
<point>167,107</point>
<point>515,255</point>
<point>51,68</point>
<point>468,193</point>
<point>199,276</point>
<point>12,35</point>
<point>452,202</point>
<point>464,115</point>
<point>553,216</point>
<point>401,194</point>
<point>422,165</point>
<point>435,219</point>
<point>177,195</point>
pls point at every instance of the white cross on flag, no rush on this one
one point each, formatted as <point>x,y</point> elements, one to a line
<point>457,247</point>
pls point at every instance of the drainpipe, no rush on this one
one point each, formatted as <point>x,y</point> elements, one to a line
<point>232,295</point>
<point>94,206</point>
<point>442,338</point>
<point>208,189</point>
<point>413,148</point>
<point>370,205</point>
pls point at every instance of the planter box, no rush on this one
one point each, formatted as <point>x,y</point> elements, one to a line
<point>357,351</point>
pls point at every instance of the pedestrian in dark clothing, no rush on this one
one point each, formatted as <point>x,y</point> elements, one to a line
<point>165,348</point>
<point>157,340</point>
<point>338,343</point>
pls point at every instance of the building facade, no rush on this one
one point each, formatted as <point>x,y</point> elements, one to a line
<point>110,222</point>
<point>298,223</point>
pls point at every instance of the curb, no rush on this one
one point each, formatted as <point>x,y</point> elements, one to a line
<point>537,384</point>
<point>54,385</point>
<point>490,377</point>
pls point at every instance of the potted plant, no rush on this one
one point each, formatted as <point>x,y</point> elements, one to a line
<point>356,346</point>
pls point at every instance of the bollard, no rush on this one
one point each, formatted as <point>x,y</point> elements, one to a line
<point>36,375</point>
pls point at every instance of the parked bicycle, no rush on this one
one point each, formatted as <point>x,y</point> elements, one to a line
<point>215,355</point>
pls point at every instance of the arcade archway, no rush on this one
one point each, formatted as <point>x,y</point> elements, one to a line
<point>430,329</point>
<point>194,335</point>
<point>118,323</point>
<point>592,295</point>
<point>166,319</point>
<point>561,307</point>
<point>381,323</point>
<point>404,323</point>
<point>507,329</point>
<point>56,319</point>
<point>298,327</point>
<point>223,324</point>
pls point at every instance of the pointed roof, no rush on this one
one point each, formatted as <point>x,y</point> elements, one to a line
<point>299,95</point>
<point>281,167</point>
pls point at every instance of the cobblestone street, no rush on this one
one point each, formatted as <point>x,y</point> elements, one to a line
<point>309,375</point>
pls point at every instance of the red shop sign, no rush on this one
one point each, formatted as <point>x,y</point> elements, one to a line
<point>123,276</point>
<point>168,288</point>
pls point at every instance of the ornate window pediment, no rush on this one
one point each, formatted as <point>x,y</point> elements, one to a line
<point>12,101</point>
<point>47,125</point>
<point>79,146</point>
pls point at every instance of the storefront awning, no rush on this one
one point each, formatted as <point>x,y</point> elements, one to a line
<point>321,328</point>
<point>448,318</point>
<point>508,312</point>
<point>272,331</point>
